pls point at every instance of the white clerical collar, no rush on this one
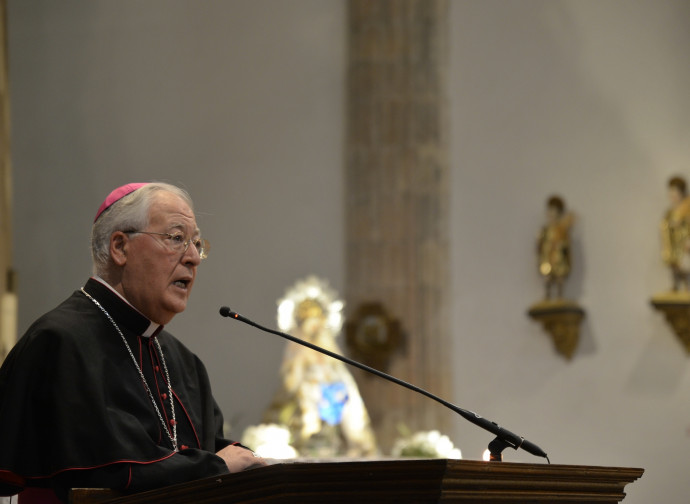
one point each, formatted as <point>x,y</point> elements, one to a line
<point>151,329</point>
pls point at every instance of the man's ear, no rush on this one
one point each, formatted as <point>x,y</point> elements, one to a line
<point>118,247</point>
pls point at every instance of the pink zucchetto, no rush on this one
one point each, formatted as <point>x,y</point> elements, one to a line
<point>117,195</point>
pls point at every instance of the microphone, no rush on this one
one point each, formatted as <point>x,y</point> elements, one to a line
<point>504,438</point>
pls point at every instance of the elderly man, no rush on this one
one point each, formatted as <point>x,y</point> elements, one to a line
<point>96,393</point>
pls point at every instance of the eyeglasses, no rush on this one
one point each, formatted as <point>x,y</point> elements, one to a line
<point>176,242</point>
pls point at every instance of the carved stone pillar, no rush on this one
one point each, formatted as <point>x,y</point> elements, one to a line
<point>8,299</point>
<point>397,200</point>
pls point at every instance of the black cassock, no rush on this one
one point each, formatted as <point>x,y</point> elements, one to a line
<point>75,413</point>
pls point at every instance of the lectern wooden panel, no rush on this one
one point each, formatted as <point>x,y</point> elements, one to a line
<point>398,481</point>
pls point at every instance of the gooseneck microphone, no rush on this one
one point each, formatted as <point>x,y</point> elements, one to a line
<point>504,438</point>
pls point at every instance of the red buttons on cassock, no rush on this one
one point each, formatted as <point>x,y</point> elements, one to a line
<point>172,422</point>
<point>164,396</point>
<point>157,368</point>
<point>184,447</point>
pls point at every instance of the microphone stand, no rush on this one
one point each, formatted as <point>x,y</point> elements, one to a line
<point>504,438</point>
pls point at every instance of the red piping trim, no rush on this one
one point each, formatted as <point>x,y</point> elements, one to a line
<point>198,443</point>
<point>12,478</point>
<point>124,461</point>
<point>157,362</point>
<point>141,353</point>
<point>146,385</point>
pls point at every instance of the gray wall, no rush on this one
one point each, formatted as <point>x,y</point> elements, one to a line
<point>242,103</point>
<point>588,99</point>
<point>239,102</point>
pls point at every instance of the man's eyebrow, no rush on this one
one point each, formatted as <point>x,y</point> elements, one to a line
<point>183,227</point>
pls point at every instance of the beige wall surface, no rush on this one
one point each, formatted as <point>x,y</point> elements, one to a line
<point>587,99</point>
<point>242,103</point>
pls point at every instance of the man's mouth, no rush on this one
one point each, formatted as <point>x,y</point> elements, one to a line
<point>182,283</point>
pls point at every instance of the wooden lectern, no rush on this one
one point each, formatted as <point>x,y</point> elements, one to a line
<point>395,481</point>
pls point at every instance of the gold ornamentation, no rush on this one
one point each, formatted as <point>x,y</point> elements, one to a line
<point>676,309</point>
<point>373,336</point>
<point>675,234</point>
<point>310,298</point>
<point>561,319</point>
<point>553,246</point>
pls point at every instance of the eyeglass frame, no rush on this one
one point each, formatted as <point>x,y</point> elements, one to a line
<point>202,250</point>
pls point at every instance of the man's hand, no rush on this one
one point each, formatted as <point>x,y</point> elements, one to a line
<point>238,459</point>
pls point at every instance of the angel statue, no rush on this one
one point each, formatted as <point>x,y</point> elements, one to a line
<point>675,234</point>
<point>318,399</point>
<point>553,246</point>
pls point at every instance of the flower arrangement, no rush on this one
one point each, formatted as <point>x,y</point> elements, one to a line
<point>269,441</point>
<point>426,444</point>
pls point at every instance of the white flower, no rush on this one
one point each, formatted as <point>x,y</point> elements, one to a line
<point>426,444</point>
<point>269,441</point>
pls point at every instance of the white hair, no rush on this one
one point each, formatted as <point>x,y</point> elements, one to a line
<point>127,214</point>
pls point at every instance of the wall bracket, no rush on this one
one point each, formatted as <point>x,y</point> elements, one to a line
<point>561,319</point>
<point>676,309</point>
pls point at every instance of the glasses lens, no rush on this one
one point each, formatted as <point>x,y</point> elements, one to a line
<point>176,242</point>
<point>202,246</point>
<point>205,248</point>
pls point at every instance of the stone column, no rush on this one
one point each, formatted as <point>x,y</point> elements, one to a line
<point>397,200</point>
<point>8,299</point>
